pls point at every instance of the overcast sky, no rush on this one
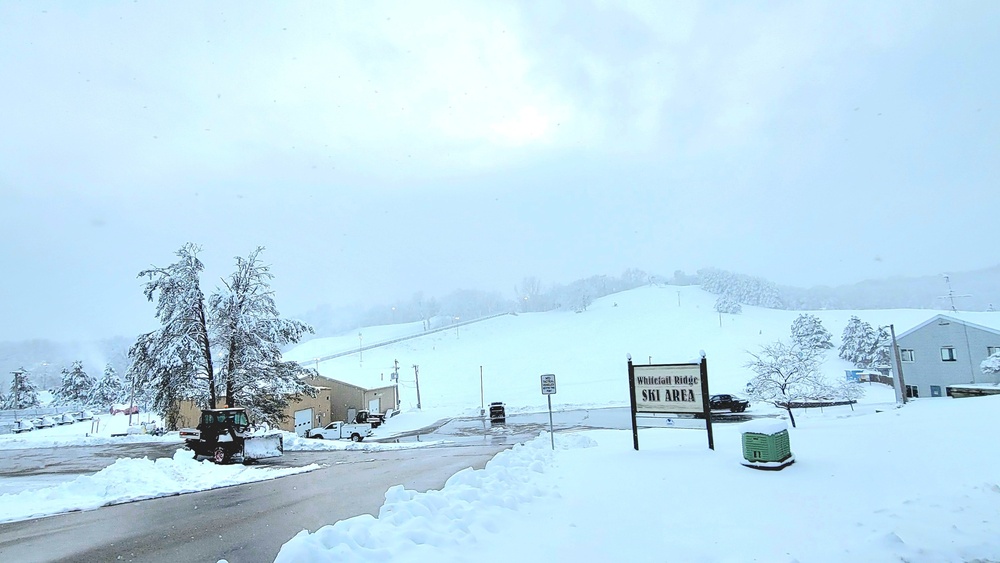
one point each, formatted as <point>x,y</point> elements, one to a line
<point>377,149</point>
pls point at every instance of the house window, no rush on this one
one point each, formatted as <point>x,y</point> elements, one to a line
<point>990,350</point>
<point>906,355</point>
<point>948,354</point>
<point>912,392</point>
<point>935,390</point>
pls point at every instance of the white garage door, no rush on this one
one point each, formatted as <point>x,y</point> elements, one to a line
<point>374,406</point>
<point>303,421</point>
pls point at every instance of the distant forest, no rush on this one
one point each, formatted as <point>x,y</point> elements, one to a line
<point>977,290</point>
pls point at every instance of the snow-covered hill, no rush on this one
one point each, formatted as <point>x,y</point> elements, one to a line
<point>587,351</point>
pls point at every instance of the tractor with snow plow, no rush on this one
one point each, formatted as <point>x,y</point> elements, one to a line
<point>225,436</point>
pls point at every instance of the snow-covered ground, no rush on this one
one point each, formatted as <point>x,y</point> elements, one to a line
<point>916,484</point>
<point>871,484</point>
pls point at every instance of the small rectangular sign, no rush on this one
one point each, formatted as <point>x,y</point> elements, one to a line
<point>549,384</point>
<point>668,388</point>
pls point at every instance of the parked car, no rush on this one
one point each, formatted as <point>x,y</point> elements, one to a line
<point>44,422</point>
<point>731,403</point>
<point>23,425</point>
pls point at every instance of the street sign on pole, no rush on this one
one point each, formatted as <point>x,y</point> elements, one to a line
<point>549,389</point>
<point>549,384</point>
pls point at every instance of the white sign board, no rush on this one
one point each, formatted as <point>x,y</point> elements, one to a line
<point>668,388</point>
<point>549,384</point>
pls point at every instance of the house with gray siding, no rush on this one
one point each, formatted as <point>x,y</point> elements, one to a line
<point>945,351</point>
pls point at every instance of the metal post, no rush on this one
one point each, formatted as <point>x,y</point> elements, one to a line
<point>552,436</point>
<point>631,396</point>
<point>706,402</point>
<point>416,376</point>
<point>482,394</point>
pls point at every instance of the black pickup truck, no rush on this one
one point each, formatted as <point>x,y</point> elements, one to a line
<point>730,403</point>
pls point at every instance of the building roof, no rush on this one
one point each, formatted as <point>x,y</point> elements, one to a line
<point>938,318</point>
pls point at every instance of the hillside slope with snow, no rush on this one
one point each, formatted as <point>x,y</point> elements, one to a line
<point>587,351</point>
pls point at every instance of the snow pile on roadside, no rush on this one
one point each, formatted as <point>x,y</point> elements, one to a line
<point>130,479</point>
<point>295,443</point>
<point>412,526</point>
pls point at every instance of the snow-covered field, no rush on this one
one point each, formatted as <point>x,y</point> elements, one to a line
<point>871,484</point>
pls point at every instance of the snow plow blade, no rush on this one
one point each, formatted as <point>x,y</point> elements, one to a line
<point>262,446</point>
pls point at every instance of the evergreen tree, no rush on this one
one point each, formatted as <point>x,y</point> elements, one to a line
<point>109,389</point>
<point>238,324</point>
<point>808,332</point>
<point>23,393</point>
<point>747,290</point>
<point>250,334</point>
<point>76,388</point>
<point>863,345</point>
<point>726,303</point>
<point>175,362</point>
<point>851,340</point>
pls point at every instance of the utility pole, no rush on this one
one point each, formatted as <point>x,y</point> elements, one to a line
<point>395,371</point>
<point>416,376</point>
<point>482,395</point>
<point>131,400</point>
<point>900,389</point>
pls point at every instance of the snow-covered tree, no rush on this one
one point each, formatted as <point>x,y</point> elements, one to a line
<point>109,389</point>
<point>786,373</point>
<point>991,366</point>
<point>239,325</point>
<point>808,331</point>
<point>845,390</point>
<point>175,362</point>
<point>77,386</point>
<point>863,345</point>
<point>23,393</point>
<point>249,334</point>
<point>726,303</point>
<point>745,289</point>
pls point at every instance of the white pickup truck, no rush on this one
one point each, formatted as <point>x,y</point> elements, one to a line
<point>340,430</point>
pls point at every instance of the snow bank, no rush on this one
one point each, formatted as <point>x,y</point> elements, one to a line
<point>130,479</point>
<point>413,526</point>
<point>294,443</point>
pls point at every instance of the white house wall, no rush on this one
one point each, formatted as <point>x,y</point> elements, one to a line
<point>927,368</point>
